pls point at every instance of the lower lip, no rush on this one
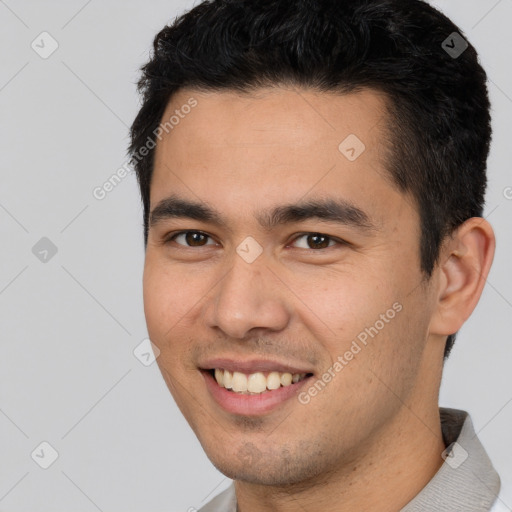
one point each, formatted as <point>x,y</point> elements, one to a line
<point>251,405</point>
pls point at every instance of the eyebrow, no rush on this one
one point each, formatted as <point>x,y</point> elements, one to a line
<point>336,210</point>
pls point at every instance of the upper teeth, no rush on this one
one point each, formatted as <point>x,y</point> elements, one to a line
<point>255,382</point>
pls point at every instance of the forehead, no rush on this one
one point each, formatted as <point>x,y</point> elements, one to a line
<point>276,116</point>
<point>272,146</point>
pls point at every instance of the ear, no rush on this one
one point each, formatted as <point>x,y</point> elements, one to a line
<point>464,263</point>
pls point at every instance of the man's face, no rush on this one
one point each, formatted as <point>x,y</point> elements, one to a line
<point>254,293</point>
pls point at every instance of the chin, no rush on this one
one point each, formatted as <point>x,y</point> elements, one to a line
<point>249,464</point>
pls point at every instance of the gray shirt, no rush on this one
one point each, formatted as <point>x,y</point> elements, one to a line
<point>466,482</point>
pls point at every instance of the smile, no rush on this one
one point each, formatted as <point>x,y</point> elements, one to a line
<point>252,388</point>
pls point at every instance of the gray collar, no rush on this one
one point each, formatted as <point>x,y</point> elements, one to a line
<point>466,482</point>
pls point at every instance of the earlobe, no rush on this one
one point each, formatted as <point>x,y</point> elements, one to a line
<point>464,264</point>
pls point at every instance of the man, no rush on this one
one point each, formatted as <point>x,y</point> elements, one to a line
<point>312,175</point>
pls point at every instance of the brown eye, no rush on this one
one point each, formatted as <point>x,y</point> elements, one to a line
<point>315,241</point>
<point>191,239</point>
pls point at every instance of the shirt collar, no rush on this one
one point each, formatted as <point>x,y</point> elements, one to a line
<point>467,480</point>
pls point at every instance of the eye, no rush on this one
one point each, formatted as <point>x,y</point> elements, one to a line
<point>190,239</point>
<point>316,241</point>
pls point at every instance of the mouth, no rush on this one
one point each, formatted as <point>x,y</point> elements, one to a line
<point>251,389</point>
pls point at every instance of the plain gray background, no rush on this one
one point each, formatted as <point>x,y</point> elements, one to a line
<point>70,323</point>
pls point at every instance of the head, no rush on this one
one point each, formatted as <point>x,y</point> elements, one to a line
<point>345,150</point>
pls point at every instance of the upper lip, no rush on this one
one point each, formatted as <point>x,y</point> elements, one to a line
<point>251,366</point>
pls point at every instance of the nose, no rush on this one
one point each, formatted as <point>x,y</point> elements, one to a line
<point>248,297</point>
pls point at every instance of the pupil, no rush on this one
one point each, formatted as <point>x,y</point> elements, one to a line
<point>317,243</point>
<point>194,238</point>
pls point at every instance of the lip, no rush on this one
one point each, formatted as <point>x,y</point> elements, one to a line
<point>251,405</point>
<point>252,366</point>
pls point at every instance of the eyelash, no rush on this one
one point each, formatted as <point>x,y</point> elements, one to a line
<point>171,238</point>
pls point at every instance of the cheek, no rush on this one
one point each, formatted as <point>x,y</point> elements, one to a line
<point>345,302</point>
<point>155,297</point>
<point>165,306</point>
<point>172,302</point>
<point>164,303</point>
<point>168,295</point>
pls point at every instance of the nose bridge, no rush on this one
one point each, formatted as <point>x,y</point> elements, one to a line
<point>247,297</point>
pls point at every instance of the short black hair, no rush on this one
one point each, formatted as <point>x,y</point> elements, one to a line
<point>439,125</point>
